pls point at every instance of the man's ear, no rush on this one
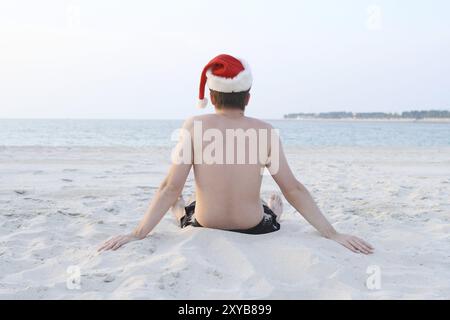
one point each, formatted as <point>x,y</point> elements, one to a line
<point>212,98</point>
<point>247,99</point>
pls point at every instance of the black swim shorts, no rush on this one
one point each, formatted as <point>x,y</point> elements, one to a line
<point>268,223</point>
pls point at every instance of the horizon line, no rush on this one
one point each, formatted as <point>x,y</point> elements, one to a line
<point>165,119</point>
<point>143,119</point>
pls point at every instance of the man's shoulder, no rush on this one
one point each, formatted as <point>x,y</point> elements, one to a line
<point>212,120</point>
<point>189,122</point>
<point>201,117</point>
<point>258,123</point>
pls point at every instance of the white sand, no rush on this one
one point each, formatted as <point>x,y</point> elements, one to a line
<point>58,204</point>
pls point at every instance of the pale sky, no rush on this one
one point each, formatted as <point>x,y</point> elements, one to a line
<point>143,59</point>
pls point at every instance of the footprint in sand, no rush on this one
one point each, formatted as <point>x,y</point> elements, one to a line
<point>109,278</point>
<point>147,187</point>
<point>106,276</point>
<point>92,204</point>
<point>168,280</point>
<point>21,192</point>
<point>215,273</point>
<point>90,197</point>
<point>33,199</point>
<point>66,213</point>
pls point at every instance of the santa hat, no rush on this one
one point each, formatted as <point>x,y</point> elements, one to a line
<point>224,73</point>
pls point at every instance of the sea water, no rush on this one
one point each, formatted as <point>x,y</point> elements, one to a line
<point>141,133</point>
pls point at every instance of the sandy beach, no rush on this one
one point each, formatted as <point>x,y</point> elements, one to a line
<point>57,204</point>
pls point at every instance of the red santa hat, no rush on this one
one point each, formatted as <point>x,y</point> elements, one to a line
<point>224,73</point>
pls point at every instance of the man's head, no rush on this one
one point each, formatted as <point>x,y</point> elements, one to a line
<point>230,100</point>
<point>229,80</point>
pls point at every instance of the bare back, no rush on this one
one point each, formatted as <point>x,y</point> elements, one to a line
<point>228,191</point>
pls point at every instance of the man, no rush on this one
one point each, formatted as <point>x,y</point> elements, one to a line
<point>228,175</point>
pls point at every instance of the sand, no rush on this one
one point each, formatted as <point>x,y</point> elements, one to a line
<point>58,204</point>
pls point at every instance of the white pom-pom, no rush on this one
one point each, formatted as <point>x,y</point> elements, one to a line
<point>202,103</point>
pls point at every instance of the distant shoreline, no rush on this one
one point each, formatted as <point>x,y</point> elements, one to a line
<point>427,120</point>
<point>430,116</point>
<point>424,120</point>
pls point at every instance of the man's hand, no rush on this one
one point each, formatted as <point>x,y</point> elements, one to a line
<point>118,241</point>
<point>352,243</point>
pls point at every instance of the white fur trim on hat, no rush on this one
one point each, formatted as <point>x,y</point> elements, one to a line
<point>201,104</point>
<point>242,82</point>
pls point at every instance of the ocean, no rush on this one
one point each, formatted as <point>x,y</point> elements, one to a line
<point>141,133</point>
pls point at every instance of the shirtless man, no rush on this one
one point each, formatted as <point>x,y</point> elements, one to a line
<point>228,189</point>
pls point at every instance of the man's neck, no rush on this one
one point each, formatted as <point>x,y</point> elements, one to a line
<point>230,113</point>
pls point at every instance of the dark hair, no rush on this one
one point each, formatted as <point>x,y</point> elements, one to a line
<point>232,100</point>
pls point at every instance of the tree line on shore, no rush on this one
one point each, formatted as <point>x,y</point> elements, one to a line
<point>422,114</point>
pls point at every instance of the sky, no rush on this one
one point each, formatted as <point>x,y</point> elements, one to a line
<point>142,59</point>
